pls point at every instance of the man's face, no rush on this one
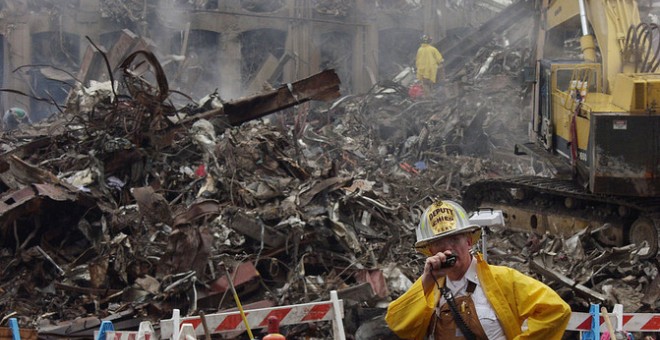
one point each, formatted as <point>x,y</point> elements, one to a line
<point>459,245</point>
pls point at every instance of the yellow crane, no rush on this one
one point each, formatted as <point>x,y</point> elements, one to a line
<point>596,120</point>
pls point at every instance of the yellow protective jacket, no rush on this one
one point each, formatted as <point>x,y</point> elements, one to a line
<point>427,61</point>
<point>514,296</point>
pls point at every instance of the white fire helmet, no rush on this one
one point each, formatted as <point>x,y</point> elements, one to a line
<point>441,219</point>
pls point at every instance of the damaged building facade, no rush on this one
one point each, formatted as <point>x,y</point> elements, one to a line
<point>235,46</point>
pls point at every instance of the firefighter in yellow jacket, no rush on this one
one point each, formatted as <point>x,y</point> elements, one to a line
<point>460,296</point>
<point>427,62</point>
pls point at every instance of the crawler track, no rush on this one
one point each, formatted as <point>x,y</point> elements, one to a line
<point>638,218</point>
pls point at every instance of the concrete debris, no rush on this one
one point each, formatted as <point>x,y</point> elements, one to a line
<point>127,206</point>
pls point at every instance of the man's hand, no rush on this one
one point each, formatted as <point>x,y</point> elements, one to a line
<point>432,268</point>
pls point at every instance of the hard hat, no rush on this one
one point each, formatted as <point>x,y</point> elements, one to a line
<point>442,219</point>
<point>426,39</point>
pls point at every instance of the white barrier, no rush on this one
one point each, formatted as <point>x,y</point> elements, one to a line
<point>189,328</point>
<point>145,332</point>
<point>629,322</point>
<point>332,310</point>
<point>187,333</point>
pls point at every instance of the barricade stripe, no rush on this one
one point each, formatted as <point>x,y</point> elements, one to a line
<point>641,322</point>
<point>122,335</point>
<point>230,322</point>
<point>194,322</point>
<point>579,321</point>
<point>255,319</point>
<point>626,318</point>
<point>280,314</point>
<point>317,312</point>
<point>631,322</point>
<point>126,335</point>
<point>586,324</point>
<point>653,324</point>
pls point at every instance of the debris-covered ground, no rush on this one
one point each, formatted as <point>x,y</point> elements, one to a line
<point>126,206</point>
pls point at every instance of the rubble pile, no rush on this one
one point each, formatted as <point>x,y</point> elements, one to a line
<point>127,206</point>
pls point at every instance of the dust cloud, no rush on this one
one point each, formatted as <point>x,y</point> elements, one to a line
<point>198,62</point>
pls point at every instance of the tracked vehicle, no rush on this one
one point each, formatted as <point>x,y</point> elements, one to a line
<point>596,123</point>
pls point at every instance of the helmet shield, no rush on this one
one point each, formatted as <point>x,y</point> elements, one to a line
<point>442,219</point>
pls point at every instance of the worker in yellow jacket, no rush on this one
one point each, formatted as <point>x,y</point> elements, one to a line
<point>461,296</point>
<point>427,63</point>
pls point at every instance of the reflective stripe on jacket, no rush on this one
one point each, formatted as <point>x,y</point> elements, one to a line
<point>514,296</point>
<point>427,60</point>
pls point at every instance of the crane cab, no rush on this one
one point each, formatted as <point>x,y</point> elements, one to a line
<point>610,142</point>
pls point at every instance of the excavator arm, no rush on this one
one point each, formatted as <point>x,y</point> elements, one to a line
<point>603,22</point>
